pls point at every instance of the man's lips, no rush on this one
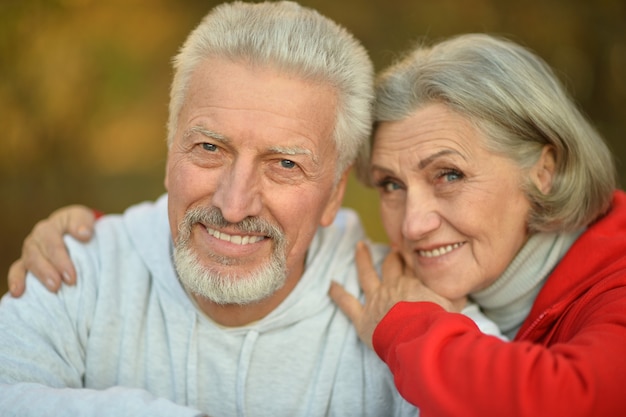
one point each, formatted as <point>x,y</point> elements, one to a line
<point>235,239</point>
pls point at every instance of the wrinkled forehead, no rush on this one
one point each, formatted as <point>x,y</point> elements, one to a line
<point>238,100</point>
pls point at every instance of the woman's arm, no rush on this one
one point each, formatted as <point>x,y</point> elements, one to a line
<point>445,365</point>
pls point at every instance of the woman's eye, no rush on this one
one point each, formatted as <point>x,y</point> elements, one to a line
<point>392,186</point>
<point>209,147</point>
<point>388,186</point>
<point>451,175</point>
<point>286,163</point>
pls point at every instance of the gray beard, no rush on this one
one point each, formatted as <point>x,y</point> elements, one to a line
<point>229,288</point>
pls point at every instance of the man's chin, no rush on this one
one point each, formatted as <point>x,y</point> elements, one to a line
<point>240,291</point>
<point>226,301</point>
<point>224,284</point>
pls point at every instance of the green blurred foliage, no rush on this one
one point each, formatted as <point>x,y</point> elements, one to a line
<point>84,86</point>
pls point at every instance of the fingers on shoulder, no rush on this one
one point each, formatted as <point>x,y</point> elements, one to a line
<point>17,278</point>
<point>77,220</point>
<point>368,276</point>
<point>346,302</point>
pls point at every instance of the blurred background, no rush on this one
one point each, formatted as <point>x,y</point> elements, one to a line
<point>84,87</point>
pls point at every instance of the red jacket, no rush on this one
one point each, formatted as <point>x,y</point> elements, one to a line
<point>568,359</point>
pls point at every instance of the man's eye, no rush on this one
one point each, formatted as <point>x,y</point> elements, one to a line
<point>209,147</point>
<point>286,163</point>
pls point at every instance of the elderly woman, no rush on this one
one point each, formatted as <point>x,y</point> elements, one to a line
<point>493,185</point>
<point>494,189</point>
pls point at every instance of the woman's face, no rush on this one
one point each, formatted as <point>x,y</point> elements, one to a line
<point>454,209</point>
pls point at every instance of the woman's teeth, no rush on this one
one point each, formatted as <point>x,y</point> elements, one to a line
<point>439,251</point>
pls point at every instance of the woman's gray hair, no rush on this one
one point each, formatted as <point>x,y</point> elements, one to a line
<point>291,38</point>
<point>515,99</point>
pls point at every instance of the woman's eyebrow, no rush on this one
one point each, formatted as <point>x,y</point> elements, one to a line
<point>427,161</point>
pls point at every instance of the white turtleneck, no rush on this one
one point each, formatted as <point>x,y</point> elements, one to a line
<point>509,299</point>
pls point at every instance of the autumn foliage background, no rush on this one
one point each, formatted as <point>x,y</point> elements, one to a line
<point>84,87</point>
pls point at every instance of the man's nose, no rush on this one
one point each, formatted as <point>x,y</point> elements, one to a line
<point>238,194</point>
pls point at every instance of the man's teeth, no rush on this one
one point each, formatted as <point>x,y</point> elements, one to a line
<point>236,239</point>
<point>439,251</point>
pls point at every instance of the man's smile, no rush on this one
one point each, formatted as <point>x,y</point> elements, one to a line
<point>235,239</point>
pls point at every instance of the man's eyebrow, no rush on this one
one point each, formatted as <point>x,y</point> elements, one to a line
<point>427,161</point>
<point>292,151</point>
<point>206,132</point>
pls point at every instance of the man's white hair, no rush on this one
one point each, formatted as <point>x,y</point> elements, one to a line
<point>287,37</point>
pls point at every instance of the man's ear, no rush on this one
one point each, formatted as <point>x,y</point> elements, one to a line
<point>335,200</point>
<point>166,180</point>
<point>542,173</point>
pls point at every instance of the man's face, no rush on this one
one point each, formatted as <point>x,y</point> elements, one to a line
<point>250,176</point>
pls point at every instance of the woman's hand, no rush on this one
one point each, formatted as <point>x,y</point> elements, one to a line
<point>397,284</point>
<point>44,252</point>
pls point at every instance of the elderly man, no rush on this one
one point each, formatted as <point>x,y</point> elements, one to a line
<point>213,300</point>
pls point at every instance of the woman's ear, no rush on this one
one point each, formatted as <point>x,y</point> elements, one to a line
<point>542,173</point>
